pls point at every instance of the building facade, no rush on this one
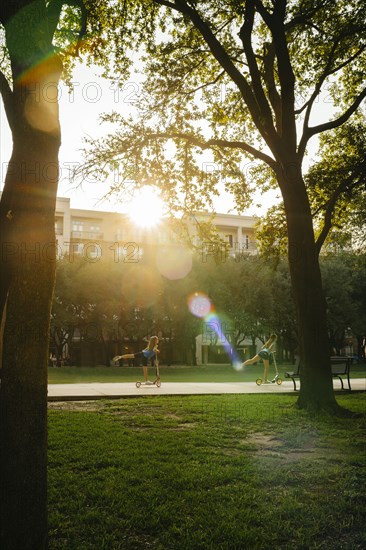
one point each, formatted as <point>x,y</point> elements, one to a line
<point>92,233</point>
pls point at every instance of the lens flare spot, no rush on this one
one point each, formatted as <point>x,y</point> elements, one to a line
<point>174,263</point>
<point>41,94</point>
<point>238,366</point>
<point>199,304</point>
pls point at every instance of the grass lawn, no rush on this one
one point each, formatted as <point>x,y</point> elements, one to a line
<point>207,373</point>
<point>206,472</point>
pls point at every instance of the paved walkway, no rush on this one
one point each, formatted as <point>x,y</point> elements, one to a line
<point>70,392</point>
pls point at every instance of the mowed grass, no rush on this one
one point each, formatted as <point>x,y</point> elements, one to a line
<point>206,472</point>
<point>206,373</point>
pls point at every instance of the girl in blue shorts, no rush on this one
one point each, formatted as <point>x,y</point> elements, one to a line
<point>264,354</point>
<point>141,358</point>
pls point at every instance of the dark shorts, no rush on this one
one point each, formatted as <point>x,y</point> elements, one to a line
<point>264,354</point>
<point>140,360</point>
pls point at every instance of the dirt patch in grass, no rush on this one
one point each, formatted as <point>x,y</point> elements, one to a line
<point>268,445</point>
<point>264,441</point>
<point>72,406</point>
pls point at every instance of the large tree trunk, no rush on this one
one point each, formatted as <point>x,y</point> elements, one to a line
<point>28,261</point>
<point>316,390</point>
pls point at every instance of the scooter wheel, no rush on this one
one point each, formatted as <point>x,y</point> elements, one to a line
<point>259,381</point>
<point>158,383</point>
<point>138,384</point>
<point>279,381</point>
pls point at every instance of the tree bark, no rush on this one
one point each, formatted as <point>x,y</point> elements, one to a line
<point>28,261</point>
<point>316,390</point>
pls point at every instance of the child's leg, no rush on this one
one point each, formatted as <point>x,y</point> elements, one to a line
<point>266,368</point>
<point>251,361</point>
<point>146,375</point>
<point>125,356</point>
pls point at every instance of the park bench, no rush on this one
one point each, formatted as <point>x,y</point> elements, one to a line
<point>340,367</point>
<point>295,373</point>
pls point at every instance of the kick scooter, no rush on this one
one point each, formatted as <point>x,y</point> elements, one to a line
<point>277,378</point>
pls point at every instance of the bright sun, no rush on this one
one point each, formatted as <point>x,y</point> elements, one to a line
<point>146,207</point>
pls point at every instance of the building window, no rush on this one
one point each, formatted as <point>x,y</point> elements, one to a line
<point>78,226</point>
<point>77,229</point>
<point>58,227</point>
<point>229,239</point>
<point>94,232</point>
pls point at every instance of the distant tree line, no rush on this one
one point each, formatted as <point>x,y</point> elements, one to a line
<point>112,305</point>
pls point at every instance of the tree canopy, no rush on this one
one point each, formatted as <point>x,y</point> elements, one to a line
<point>212,104</point>
<point>336,188</point>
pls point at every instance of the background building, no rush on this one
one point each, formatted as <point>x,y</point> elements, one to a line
<point>92,233</point>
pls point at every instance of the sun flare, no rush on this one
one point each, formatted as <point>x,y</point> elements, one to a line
<point>146,207</point>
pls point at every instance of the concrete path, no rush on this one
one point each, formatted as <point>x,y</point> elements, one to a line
<point>70,392</point>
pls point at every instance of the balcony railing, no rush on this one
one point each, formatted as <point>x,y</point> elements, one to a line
<point>87,235</point>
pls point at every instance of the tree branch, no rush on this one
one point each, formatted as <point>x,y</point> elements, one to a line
<point>222,143</point>
<point>276,25</point>
<point>303,107</point>
<point>54,12</point>
<point>53,15</point>
<point>326,72</point>
<point>244,147</point>
<point>348,61</point>
<point>7,95</point>
<point>274,96</point>
<point>245,35</point>
<point>304,18</point>
<point>206,85</point>
<point>359,172</point>
<point>223,58</point>
<point>309,104</point>
<point>340,120</point>
<point>167,4</point>
<point>264,13</point>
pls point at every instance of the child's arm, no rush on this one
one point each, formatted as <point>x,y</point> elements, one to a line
<point>269,343</point>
